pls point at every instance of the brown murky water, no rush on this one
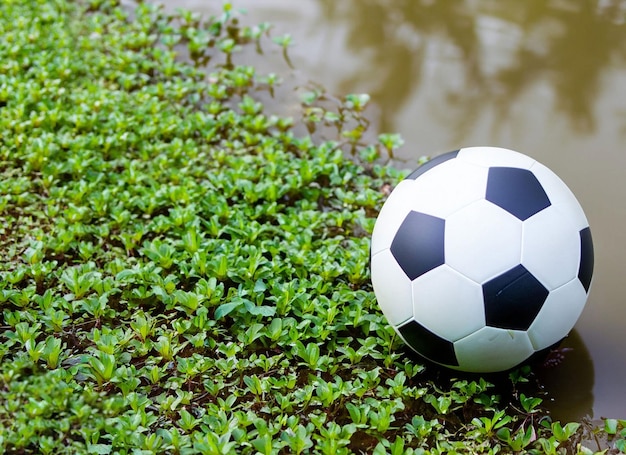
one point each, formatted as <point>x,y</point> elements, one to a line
<point>544,77</point>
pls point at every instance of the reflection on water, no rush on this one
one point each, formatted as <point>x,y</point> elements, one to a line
<point>570,384</point>
<point>481,53</point>
<point>546,78</point>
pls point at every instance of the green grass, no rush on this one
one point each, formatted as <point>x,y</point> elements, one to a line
<point>182,273</point>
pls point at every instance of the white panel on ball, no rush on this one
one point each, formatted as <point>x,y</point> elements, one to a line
<point>551,247</point>
<point>559,194</point>
<point>490,349</point>
<point>393,212</point>
<point>494,156</point>
<point>450,186</point>
<point>482,241</point>
<point>392,288</point>
<point>558,315</point>
<point>447,303</point>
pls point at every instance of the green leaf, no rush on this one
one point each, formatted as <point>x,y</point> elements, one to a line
<point>260,286</point>
<point>563,433</point>
<point>263,444</point>
<point>226,308</point>
<point>530,403</point>
<point>263,310</point>
<point>100,449</point>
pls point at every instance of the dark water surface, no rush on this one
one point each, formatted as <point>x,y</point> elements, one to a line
<point>546,78</point>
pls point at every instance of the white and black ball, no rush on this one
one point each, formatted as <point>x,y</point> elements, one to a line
<point>481,258</point>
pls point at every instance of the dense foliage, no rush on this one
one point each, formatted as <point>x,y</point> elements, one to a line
<point>181,272</point>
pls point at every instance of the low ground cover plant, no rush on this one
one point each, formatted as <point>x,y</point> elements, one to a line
<point>181,272</point>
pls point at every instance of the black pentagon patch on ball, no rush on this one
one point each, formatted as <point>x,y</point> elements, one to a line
<point>428,344</point>
<point>517,191</point>
<point>513,300</point>
<point>419,244</point>
<point>585,269</point>
<point>431,164</point>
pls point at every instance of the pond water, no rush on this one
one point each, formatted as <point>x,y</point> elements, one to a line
<point>543,77</point>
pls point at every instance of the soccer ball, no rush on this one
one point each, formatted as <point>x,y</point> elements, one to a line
<point>481,258</point>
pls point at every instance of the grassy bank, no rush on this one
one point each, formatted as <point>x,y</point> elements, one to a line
<point>182,273</point>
